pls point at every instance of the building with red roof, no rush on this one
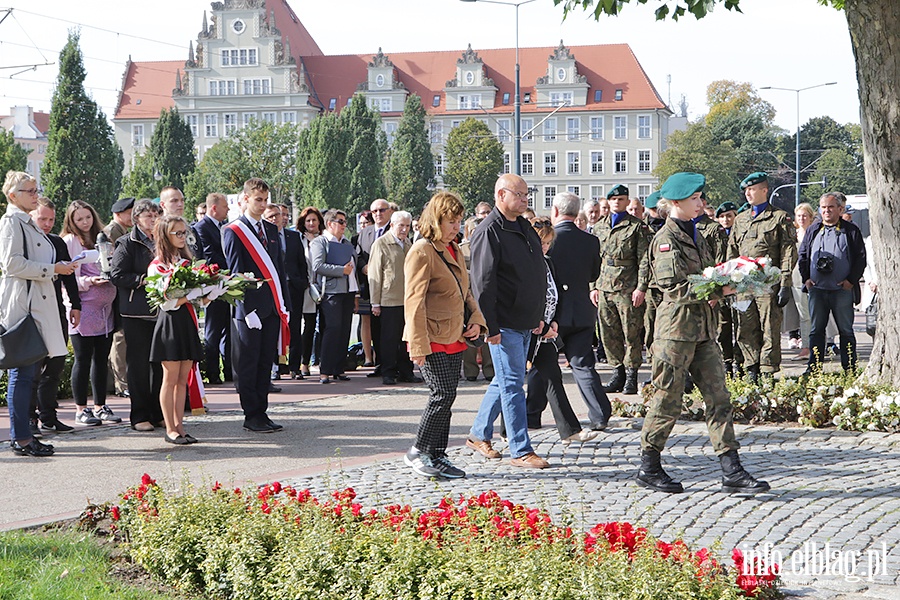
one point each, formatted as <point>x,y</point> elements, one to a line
<point>590,116</point>
<point>29,131</point>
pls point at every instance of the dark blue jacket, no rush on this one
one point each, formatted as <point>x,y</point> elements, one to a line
<point>239,260</point>
<point>855,247</point>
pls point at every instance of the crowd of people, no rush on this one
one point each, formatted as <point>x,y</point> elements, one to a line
<point>501,294</point>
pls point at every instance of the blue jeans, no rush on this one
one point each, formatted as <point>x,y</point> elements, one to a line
<point>18,396</point>
<point>506,393</point>
<point>839,303</point>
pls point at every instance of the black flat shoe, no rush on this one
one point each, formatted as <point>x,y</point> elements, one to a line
<point>190,439</point>
<point>177,440</point>
<point>325,380</point>
<point>342,377</point>
<point>32,448</point>
<point>298,376</point>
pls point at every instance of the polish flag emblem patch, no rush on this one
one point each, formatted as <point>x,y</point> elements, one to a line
<point>665,247</point>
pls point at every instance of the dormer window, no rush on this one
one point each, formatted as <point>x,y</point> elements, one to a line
<point>332,104</point>
<point>505,98</point>
<point>436,101</point>
<point>527,97</point>
<point>598,95</point>
<point>561,75</point>
<point>379,80</point>
<point>618,95</point>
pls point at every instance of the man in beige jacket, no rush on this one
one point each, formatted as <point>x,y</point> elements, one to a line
<point>386,286</point>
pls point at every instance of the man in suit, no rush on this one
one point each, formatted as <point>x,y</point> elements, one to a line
<point>218,313</point>
<point>297,277</point>
<point>171,200</point>
<point>260,321</point>
<point>381,213</point>
<point>576,256</point>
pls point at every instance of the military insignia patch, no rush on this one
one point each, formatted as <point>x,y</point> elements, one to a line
<point>665,247</point>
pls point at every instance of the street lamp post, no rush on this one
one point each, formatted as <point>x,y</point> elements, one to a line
<point>797,163</point>
<point>517,144</point>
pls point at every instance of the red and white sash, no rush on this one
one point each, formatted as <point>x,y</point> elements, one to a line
<point>265,265</point>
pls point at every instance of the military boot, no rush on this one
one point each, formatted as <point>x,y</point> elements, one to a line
<point>729,368</point>
<point>736,479</point>
<point>753,373</point>
<point>653,477</point>
<point>617,382</point>
<point>631,386</point>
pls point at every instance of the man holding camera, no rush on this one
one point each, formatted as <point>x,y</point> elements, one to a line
<point>832,261</point>
<point>763,230</point>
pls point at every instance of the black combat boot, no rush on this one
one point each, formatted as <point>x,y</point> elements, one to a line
<point>617,382</point>
<point>736,479</point>
<point>631,386</point>
<point>729,368</point>
<point>653,477</point>
<point>688,383</point>
<point>753,373</point>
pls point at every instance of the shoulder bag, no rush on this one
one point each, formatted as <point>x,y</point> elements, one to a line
<point>22,344</point>
<point>872,316</point>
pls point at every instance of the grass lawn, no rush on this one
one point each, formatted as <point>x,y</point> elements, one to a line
<point>59,565</point>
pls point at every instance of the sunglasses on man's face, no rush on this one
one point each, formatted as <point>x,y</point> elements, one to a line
<point>340,221</point>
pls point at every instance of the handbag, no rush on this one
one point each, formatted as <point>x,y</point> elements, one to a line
<point>872,316</point>
<point>315,294</point>
<point>22,344</point>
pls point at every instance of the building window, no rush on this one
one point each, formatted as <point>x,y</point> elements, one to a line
<point>192,121</point>
<point>643,161</point>
<point>620,128</point>
<point>248,117</point>
<point>211,123</point>
<point>455,123</point>
<point>573,128</point>
<point>468,101</point>
<point>596,162</point>
<point>505,98</point>
<point>437,132</point>
<point>643,192</point>
<point>390,129</point>
<point>549,192</point>
<point>618,95</point>
<point>573,163</point>
<point>470,78</point>
<point>137,136</point>
<point>506,158</point>
<point>561,98</point>
<point>621,161</point>
<point>549,163</point>
<point>597,193</point>
<point>526,98</point>
<point>379,80</point>
<point>527,163</point>
<point>596,128</point>
<point>550,130</point>
<point>381,104</point>
<point>574,189</point>
<point>270,117</point>
<point>289,117</point>
<point>222,87</point>
<point>644,127</point>
<point>436,101</point>
<point>230,121</point>
<point>332,103</point>
<point>503,130</point>
<point>439,165</point>
<point>527,126</point>
<point>598,95</point>
<point>237,57</point>
<point>256,87</point>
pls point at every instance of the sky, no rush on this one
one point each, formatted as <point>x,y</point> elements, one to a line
<point>779,43</point>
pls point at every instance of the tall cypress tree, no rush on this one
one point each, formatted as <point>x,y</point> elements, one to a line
<point>365,162</point>
<point>411,166</point>
<point>83,161</point>
<point>324,179</point>
<point>172,148</point>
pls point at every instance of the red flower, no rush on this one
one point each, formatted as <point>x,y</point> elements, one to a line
<point>265,508</point>
<point>216,486</point>
<point>276,487</point>
<point>146,480</point>
<point>114,512</point>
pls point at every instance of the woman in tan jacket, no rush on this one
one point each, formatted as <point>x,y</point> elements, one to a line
<point>441,315</point>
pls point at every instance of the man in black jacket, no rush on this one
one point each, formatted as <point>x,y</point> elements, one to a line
<point>576,256</point>
<point>509,280</point>
<point>218,313</point>
<point>832,261</point>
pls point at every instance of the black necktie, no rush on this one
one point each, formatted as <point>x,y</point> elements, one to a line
<point>379,232</point>
<point>262,234</point>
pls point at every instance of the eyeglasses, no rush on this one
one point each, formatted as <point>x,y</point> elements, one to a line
<point>541,224</point>
<point>519,195</point>
<point>340,221</point>
<point>179,234</point>
<point>32,191</point>
<point>380,210</point>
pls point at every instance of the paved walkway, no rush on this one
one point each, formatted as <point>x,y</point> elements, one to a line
<point>830,487</point>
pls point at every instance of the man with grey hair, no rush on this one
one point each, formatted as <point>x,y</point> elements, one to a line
<point>576,257</point>
<point>387,289</point>
<point>591,210</point>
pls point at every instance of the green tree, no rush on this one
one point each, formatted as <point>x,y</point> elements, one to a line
<point>13,157</point>
<point>842,172</point>
<point>874,26</point>
<point>172,149</point>
<point>474,160</point>
<point>259,149</point>
<point>694,149</point>
<point>725,96</point>
<point>411,166</point>
<point>364,162</point>
<point>322,178</point>
<point>140,181</point>
<point>83,162</point>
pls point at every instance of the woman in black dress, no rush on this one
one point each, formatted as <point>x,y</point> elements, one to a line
<point>176,342</point>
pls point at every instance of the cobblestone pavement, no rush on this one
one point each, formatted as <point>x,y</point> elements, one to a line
<point>828,487</point>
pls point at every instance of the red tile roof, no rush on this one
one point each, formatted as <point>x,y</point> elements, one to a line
<point>292,29</point>
<point>42,121</point>
<point>147,88</point>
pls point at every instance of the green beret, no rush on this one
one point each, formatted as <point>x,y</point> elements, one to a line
<point>753,179</point>
<point>725,207</point>
<point>682,185</point>
<point>652,200</point>
<point>744,206</point>
<point>619,190</point>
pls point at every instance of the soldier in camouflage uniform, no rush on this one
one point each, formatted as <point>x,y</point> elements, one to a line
<point>654,221</point>
<point>763,231</point>
<point>686,342</point>
<point>620,290</point>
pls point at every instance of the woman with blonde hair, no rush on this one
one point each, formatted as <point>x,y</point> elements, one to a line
<point>441,316</point>
<point>92,338</point>
<point>804,215</point>
<point>28,265</point>
<point>176,341</point>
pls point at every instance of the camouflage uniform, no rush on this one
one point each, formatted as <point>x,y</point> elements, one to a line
<point>624,267</point>
<point>654,296</point>
<point>685,342</point>
<point>759,328</point>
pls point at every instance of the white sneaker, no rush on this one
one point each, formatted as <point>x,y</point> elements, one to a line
<point>86,417</point>
<point>106,415</point>
<point>585,435</point>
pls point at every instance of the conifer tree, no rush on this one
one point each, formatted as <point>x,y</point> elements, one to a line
<point>411,163</point>
<point>172,149</point>
<point>364,161</point>
<point>474,161</point>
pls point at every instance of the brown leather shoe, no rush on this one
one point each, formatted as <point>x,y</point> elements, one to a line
<point>483,448</point>
<point>531,461</point>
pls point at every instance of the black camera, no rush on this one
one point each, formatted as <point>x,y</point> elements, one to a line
<point>825,263</point>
